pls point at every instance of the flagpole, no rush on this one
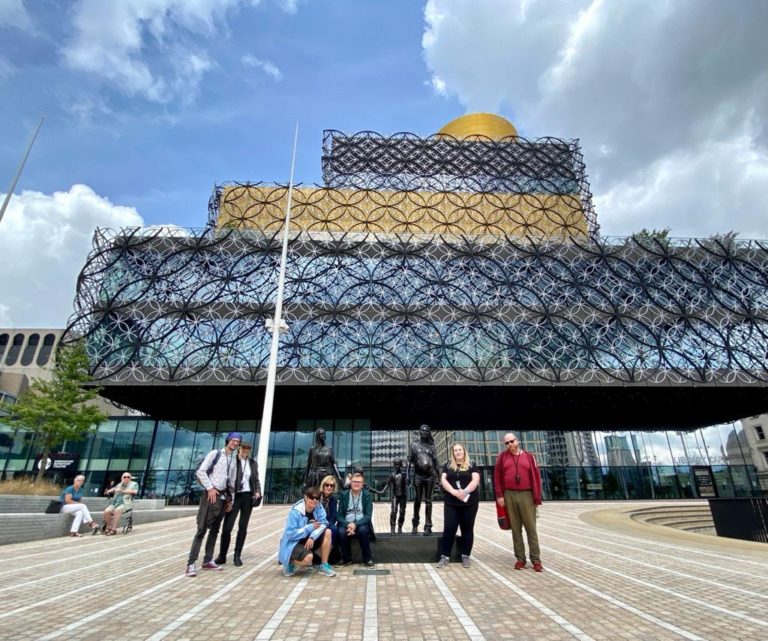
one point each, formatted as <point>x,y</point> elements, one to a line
<point>19,170</point>
<point>269,392</point>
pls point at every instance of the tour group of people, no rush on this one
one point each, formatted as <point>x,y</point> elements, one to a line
<point>321,526</point>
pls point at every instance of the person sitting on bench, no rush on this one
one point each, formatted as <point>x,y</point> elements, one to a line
<point>71,498</point>
<point>354,519</point>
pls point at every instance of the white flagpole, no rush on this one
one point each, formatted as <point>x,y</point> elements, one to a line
<point>269,392</point>
<point>19,170</point>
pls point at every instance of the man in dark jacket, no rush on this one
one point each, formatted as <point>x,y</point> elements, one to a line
<point>354,519</point>
<point>247,492</point>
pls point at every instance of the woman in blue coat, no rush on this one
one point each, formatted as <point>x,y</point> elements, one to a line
<point>306,534</point>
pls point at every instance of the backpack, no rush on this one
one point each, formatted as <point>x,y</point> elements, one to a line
<point>212,465</point>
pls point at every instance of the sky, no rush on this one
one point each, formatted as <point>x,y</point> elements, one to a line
<point>149,103</point>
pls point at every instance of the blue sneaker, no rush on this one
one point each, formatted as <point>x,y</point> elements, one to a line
<point>289,570</point>
<point>325,569</point>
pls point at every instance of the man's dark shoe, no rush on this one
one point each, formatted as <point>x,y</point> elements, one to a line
<point>221,560</point>
<point>237,560</point>
<point>343,563</point>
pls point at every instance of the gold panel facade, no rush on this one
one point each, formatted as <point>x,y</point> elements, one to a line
<point>321,209</point>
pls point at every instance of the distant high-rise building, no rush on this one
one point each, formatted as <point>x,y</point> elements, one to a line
<point>618,451</point>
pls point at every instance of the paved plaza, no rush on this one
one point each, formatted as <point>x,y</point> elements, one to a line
<point>607,577</point>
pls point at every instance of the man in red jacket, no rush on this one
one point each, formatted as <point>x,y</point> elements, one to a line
<point>517,484</point>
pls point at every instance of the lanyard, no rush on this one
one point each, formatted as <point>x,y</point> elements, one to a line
<point>355,505</point>
<point>516,461</point>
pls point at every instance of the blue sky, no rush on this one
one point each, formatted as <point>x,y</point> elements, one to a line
<point>344,65</point>
<point>148,103</point>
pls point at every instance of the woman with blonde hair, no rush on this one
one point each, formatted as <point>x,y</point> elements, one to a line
<point>329,501</point>
<point>460,480</point>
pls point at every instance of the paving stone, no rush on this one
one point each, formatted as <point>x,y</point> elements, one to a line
<point>606,577</point>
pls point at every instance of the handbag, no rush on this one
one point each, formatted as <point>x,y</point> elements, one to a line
<point>54,507</point>
<point>501,516</point>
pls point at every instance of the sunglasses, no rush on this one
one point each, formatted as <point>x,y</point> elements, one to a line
<point>329,485</point>
<point>127,476</point>
<point>314,498</point>
<point>514,440</point>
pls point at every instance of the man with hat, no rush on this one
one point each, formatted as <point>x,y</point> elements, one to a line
<point>247,496</point>
<point>216,475</point>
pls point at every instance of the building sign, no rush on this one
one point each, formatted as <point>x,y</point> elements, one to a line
<point>58,463</point>
<point>705,483</point>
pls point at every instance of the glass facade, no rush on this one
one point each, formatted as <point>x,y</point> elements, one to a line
<point>163,456</point>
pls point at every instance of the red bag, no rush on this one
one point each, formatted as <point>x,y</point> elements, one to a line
<point>501,516</point>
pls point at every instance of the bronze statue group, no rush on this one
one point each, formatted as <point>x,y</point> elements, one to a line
<point>332,513</point>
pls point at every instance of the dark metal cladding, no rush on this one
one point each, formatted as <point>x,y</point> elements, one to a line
<point>559,331</point>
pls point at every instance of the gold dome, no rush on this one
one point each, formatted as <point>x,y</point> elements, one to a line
<point>479,124</point>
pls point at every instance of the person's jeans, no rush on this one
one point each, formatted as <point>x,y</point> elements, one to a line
<point>242,505</point>
<point>455,517</point>
<point>209,517</point>
<point>80,510</point>
<point>362,534</point>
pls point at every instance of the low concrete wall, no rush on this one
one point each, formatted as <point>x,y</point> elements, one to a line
<point>14,503</point>
<point>22,518</point>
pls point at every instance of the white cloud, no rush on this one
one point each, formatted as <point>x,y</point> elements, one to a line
<point>112,40</point>
<point>7,69</point>
<point>712,188</point>
<point>289,6</point>
<point>669,99</point>
<point>14,14</point>
<point>265,65</point>
<point>44,240</point>
<point>87,108</point>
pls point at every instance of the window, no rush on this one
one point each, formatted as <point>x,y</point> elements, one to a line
<point>30,349</point>
<point>45,351</point>
<point>760,433</point>
<point>3,344</point>
<point>13,352</point>
<point>765,456</point>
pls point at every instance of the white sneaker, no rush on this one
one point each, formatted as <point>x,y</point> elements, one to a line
<point>191,570</point>
<point>443,562</point>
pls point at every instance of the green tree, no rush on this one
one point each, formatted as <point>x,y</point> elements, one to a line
<point>662,235</point>
<point>58,409</point>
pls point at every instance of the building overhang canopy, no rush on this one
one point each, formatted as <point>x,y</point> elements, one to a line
<point>545,407</point>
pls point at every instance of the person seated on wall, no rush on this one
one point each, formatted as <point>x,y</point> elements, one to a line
<point>122,494</point>
<point>330,504</point>
<point>306,534</point>
<point>71,498</point>
<point>354,519</point>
